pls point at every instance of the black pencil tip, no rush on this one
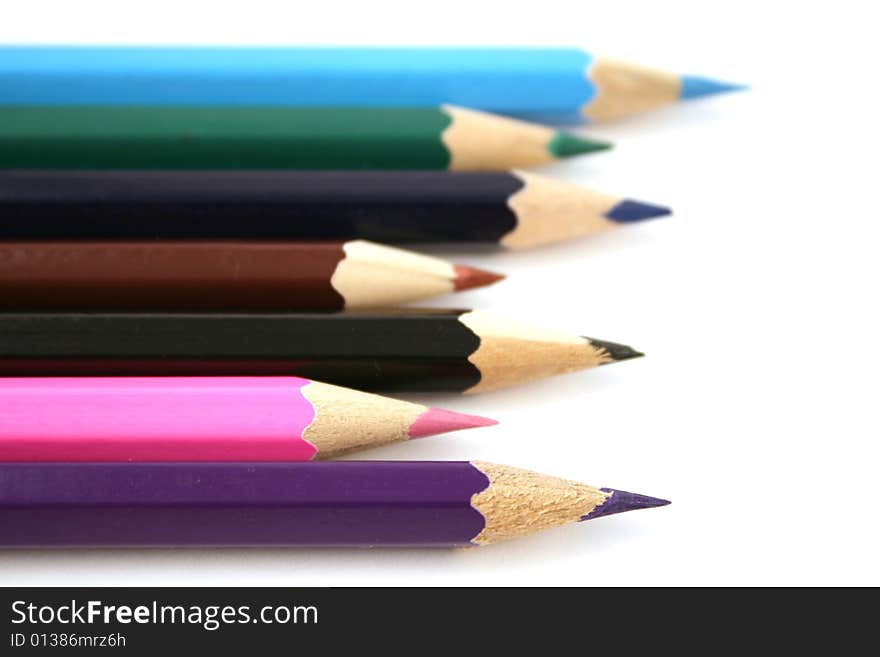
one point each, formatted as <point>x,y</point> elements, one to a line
<point>615,351</point>
<point>621,501</point>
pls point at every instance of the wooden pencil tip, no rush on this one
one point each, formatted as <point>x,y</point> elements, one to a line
<point>439,420</point>
<point>467,278</point>
<point>620,501</point>
<point>614,351</point>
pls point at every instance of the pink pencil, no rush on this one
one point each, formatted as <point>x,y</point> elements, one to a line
<point>203,419</point>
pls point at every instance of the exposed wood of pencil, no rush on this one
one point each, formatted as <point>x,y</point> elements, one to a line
<point>366,421</point>
<point>623,88</point>
<point>512,352</point>
<point>478,141</point>
<point>347,420</point>
<point>549,210</point>
<point>373,275</point>
<point>520,502</point>
<point>222,275</point>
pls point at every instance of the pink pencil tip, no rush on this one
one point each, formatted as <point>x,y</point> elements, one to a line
<point>438,420</point>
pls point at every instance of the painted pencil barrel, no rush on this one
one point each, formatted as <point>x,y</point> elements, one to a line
<point>515,209</point>
<point>163,275</point>
<point>403,350</point>
<point>363,504</point>
<point>60,137</point>
<point>413,350</point>
<point>202,419</point>
<point>193,504</point>
<point>549,84</point>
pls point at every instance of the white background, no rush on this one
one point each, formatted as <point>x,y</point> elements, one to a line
<point>756,408</point>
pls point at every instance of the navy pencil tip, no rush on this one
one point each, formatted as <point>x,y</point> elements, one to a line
<point>628,211</point>
<point>615,350</point>
<point>620,501</point>
<point>693,86</point>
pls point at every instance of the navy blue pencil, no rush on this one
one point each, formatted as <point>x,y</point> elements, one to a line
<point>513,209</point>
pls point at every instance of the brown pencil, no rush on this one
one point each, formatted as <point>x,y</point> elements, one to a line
<point>153,275</point>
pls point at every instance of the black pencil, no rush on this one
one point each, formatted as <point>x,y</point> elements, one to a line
<point>513,209</point>
<point>401,350</point>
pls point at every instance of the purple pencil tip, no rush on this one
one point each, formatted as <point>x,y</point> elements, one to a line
<point>621,501</point>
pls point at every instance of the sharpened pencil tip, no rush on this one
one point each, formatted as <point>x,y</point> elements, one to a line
<point>439,420</point>
<point>565,144</point>
<point>693,86</point>
<point>628,211</point>
<point>615,351</point>
<point>467,278</point>
<point>620,502</point>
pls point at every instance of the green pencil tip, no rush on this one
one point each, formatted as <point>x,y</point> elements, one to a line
<point>565,144</point>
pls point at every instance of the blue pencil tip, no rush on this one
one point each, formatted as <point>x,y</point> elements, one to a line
<point>620,502</point>
<point>693,86</point>
<point>628,211</point>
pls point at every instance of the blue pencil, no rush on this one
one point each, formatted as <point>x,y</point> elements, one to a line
<point>561,85</point>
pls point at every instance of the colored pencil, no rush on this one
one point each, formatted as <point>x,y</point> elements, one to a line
<point>95,137</point>
<point>349,503</point>
<point>222,275</point>
<point>203,419</point>
<point>513,209</point>
<point>549,84</point>
<point>403,350</point>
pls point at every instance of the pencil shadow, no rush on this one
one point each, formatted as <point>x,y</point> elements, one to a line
<point>582,247</point>
<point>529,393</point>
<point>682,116</point>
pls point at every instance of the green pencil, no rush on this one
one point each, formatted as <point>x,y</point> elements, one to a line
<point>126,137</point>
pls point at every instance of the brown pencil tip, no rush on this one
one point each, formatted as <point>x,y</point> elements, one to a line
<point>439,420</point>
<point>471,277</point>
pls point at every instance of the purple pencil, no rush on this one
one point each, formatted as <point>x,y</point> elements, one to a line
<point>349,503</point>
